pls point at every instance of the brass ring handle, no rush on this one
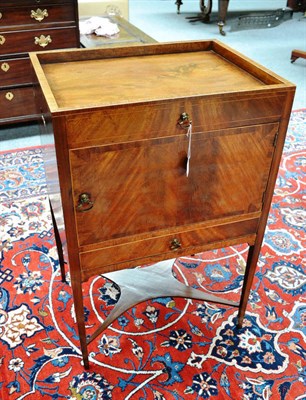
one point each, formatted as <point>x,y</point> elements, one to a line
<point>84,202</point>
<point>184,120</point>
<point>175,244</point>
<point>39,14</point>
<point>43,40</point>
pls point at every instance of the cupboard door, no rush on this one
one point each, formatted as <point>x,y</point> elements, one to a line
<point>139,187</point>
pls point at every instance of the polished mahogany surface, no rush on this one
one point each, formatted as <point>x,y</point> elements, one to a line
<point>126,120</point>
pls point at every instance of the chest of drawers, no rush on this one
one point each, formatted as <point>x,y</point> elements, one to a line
<point>30,25</point>
<point>171,149</point>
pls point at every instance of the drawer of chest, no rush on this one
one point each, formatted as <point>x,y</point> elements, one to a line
<point>14,72</point>
<point>32,3</point>
<point>136,122</point>
<point>35,40</point>
<point>140,252</point>
<point>17,102</point>
<point>36,14</point>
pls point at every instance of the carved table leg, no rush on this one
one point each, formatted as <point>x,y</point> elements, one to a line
<point>222,12</point>
<point>206,7</point>
<point>178,4</point>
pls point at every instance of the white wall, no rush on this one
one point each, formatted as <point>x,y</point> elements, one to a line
<point>89,8</point>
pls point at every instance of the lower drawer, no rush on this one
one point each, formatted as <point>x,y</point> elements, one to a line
<point>17,104</point>
<point>15,72</point>
<point>150,250</point>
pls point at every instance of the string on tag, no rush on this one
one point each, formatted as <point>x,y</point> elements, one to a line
<point>188,134</point>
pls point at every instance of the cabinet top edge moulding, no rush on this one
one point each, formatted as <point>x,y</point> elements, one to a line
<point>72,80</point>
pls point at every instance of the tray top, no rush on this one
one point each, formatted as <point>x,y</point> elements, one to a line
<point>77,82</point>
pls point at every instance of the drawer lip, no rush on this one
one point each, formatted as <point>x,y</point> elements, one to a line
<point>192,241</point>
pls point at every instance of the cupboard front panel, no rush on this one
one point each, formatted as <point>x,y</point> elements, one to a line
<point>132,188</point>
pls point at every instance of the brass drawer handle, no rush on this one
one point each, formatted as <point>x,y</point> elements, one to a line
<point>2,39</point>
<point>184,120</point>
<point>175,244</point>
<point>5,67</point>
<point>84,202</point>
<point>1,15</point>
<point>39,14</point>
<point>9,96</point>
<point>43,40</point>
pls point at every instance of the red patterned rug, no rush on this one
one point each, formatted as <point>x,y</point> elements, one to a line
<point>166,348</point>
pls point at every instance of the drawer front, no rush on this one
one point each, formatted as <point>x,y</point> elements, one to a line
<point>17,103</point>
<point>141,187</point>
<point>168,246</point>
<point>136,122</point>
<point>36,14</point>
<point>32,3</point>
<point>37,40</point>
<point>15,72</point>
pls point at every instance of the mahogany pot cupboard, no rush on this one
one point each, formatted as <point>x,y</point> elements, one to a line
<point>163,150</point>
<point>30,25</point>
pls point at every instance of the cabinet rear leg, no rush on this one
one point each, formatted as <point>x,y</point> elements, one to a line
<point>59,246</point>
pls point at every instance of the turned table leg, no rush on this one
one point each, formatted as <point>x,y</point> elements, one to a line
<point>222,12</point>
<point>178,4</point>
